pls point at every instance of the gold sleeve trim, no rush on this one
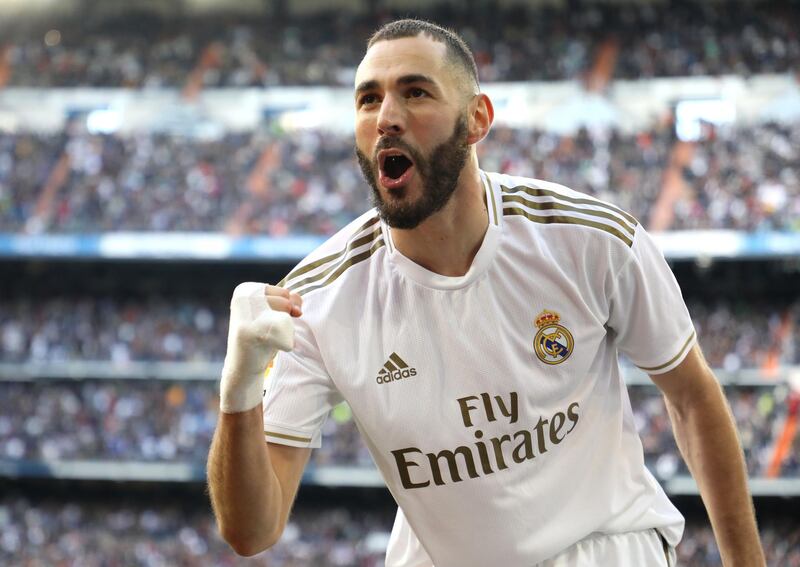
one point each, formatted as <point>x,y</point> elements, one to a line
<point>674,358</point>
<point>288,437</point>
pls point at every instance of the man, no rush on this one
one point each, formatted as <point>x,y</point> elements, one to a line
<point>473,321</point>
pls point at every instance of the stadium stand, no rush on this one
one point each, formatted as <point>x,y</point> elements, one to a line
<point>733,334</point>
<point>59,530</point>
<point>162,421</point>
<point>653,40</point>
<point>109,359</point>
<point>743,178</point>
<point>56,532</point>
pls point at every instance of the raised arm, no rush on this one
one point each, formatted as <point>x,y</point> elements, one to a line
<point>252,484</point>
<point>707,438</point>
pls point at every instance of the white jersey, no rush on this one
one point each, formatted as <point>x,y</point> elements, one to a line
<point>492,403</point>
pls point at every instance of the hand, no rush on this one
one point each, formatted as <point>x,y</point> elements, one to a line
<point>260,325</point>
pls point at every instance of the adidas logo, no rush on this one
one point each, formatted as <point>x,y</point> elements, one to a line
<point>394,369</point>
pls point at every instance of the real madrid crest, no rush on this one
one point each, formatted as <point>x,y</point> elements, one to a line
<point>553,343</point>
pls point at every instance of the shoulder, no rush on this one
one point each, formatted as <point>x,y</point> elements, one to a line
<point>543,203</point>
<point>355,243</point>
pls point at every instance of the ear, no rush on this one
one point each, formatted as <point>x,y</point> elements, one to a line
<point>481,116</point>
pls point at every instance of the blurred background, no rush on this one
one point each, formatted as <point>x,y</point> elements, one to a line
<point>155,153</point>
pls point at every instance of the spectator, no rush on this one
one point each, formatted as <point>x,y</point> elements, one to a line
<point>160,421</point>
<point>512,43</point>
<point>174,533</point>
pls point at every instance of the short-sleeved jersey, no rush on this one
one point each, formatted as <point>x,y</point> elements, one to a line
<point>492,403</point>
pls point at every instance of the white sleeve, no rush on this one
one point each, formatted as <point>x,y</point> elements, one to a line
<point>298,393</point>
<point>647,312</point>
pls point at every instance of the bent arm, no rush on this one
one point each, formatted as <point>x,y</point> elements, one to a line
<point>252,483</point>
<point>707,438</point>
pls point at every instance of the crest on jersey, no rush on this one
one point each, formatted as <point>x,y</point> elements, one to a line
<point>553,342</point>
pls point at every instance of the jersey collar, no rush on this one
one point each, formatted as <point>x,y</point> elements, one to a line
<point>480,263</point>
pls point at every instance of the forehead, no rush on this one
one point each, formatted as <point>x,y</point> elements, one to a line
<point>389,59</point>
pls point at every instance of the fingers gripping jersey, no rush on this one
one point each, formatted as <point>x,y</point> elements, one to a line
<point>492,403</point>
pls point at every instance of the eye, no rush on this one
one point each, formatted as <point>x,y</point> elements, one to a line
<point>416,92</point>
<point>368,99</point>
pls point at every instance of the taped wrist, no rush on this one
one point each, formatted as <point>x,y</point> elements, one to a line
<point>255,335</point>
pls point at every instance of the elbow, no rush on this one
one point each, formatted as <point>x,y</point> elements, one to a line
<point>247,549</point>
<point>244,550</point>
<point>248,545</point>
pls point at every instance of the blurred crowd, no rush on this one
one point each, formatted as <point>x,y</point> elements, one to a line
<point>781,542</point>
<point>151,420</point>
<point>94,535</point>
<point>161,421</point>
<point>622,169</point>
<point>747,333</point>
<point>111,329</point>
<point>688,38</point>
<point>511,43</point>
<point>760,415</point>
<point>107,420</point>
<point>276,183</point>
<point>273,182</point>
<point>26,161</point>
<point>734,335</point>
<point>171,183</point>
<point>743,179</point>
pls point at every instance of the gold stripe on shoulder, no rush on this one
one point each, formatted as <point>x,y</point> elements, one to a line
<point>288,437</point>
<point>352,261</point>
<point>555,205</point>
<point>357,243</point>
<point>674,358</point>
<point>539,192</point>
<point>330,258</point>
<point>489,192</point>
<point>542,219</point>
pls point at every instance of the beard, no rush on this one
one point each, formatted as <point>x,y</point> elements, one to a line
<point>439,173</point>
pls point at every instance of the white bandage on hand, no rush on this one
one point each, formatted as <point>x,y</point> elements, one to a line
<point>255,335</point>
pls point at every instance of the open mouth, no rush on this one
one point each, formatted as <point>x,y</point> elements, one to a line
<point>395,168</point>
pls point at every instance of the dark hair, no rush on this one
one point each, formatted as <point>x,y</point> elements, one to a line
<point>457,49</point>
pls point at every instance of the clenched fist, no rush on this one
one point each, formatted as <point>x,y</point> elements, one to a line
<point>260,325</point>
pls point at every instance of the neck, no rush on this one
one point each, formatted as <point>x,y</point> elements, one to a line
<point>447,241</point>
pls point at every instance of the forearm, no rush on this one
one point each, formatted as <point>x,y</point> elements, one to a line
<point>707,438</point>
<point>245,492</point>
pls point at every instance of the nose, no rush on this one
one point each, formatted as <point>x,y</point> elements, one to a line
<point>391,119</point>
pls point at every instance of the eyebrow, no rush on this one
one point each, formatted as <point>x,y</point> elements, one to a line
<point>404,80</point>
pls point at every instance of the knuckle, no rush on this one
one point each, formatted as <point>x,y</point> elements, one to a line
<point>277,291</point>
<point>279,303</point>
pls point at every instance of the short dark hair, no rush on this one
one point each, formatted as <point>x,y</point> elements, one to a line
<point>457,49</point>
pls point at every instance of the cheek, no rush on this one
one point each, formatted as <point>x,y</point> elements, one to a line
<point>430,130</point>
<point>365,136</point>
